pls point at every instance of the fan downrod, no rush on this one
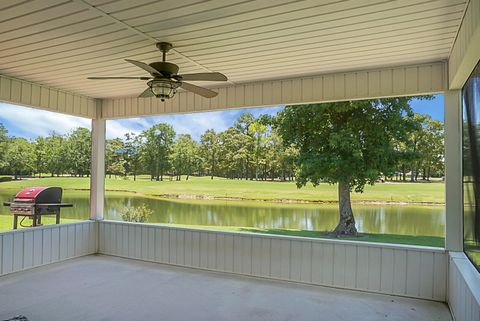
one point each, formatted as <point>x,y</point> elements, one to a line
<point>164,47</point>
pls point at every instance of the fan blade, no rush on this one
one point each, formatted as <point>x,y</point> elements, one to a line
<point>205,76</point>
<point>141,78</point>
<point>207,93</point>
<point>146,93</point>
<point>144,66</point>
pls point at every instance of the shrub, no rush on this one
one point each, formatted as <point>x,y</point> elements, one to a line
<point>136,213</point>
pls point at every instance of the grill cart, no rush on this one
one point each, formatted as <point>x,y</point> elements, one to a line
<point>33,202</point>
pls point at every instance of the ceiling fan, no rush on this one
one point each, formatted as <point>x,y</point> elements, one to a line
<point>164,79</point>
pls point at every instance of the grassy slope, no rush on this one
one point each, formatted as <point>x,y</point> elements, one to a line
<point>433,241</point>
<point>219,187</point>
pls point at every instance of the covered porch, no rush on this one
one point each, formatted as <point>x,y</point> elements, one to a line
<point>274,54</point>
<point>118,289</point>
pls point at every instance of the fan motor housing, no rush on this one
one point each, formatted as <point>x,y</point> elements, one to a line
<point>166,68</point>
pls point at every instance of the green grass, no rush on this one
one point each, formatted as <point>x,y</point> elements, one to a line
<point>253,190</point>
<point>6,221</point>
<point>432,241</point>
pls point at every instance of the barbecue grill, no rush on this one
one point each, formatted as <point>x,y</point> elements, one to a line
<point>33,202</point>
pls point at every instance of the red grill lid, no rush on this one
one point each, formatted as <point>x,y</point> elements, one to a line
<point>30,192</point>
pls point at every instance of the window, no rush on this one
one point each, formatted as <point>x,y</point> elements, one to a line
<point>471,166</point>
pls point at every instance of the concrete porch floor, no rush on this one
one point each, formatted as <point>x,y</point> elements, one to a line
<point>110,288</point>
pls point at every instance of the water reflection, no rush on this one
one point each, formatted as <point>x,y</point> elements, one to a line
<point>392,219</point>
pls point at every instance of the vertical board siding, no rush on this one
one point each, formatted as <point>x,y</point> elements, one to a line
<point>390,269</point>
<point>26,248</point>
<point>21,92</point>
<point>464,288</point>
<point>466,48</point>
<point>385,82</point>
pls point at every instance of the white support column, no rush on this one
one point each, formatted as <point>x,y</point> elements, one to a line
<point>97,178</point>
<point>453,170</point>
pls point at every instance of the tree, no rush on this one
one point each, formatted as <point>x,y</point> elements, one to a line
<point>158,141</point>
<point>413,142</point>
<point>258,131</point>
<point>209,148</point>
<point>41,152</point>
<point>19,157</point>
<point>115,157</point>
<point>132,145</point>
<point>79,147</point>
<point>431,148</point>
<point>233,146</point>
<point>347,143</point>
<point>184,154</point>
<point>3,146</point>
<point>243,122</point>
<point>56,161</point>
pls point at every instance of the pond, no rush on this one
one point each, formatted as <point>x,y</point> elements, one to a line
<point>385,219</point>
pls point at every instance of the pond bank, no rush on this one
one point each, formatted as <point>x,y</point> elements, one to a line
<point>287,201</point>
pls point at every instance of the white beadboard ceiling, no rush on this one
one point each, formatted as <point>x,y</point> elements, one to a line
<point>60,43</point>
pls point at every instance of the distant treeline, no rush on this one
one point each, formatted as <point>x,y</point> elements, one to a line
<point>55,154</point>
<point>250,149</point>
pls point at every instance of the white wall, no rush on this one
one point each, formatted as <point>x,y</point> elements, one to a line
<point>464,288</point>
<point>27,248</point>
<point>383,268</point>
<point>361,84</point>
<point>20,92</point>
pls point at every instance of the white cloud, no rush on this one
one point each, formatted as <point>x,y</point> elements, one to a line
<point>116,129</point>
<point>194,124</point>
<point>30,123</point>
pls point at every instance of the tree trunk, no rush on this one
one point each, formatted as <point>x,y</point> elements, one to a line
<point>213,167</point>
<point>346,224</point>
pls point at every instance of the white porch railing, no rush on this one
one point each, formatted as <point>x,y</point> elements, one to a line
<point>26,248</point>
<point>418,272</point>
<point>464,288</point>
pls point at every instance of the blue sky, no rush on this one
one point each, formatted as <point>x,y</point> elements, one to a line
<point>42,123</point>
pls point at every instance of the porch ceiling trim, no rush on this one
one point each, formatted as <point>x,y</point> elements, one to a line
<point>384,82</point>
<point>24,93</point>
<point>466,49</point>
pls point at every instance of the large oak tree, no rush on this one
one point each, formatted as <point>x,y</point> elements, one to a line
<point>346,143</point>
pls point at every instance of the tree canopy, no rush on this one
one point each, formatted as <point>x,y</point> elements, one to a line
<point>350,143</point>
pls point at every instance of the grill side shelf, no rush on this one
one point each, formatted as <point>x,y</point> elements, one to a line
<point>42,204</point>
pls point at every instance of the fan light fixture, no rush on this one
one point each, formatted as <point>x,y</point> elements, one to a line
<point>163,88</point>
<point>164,79</point>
